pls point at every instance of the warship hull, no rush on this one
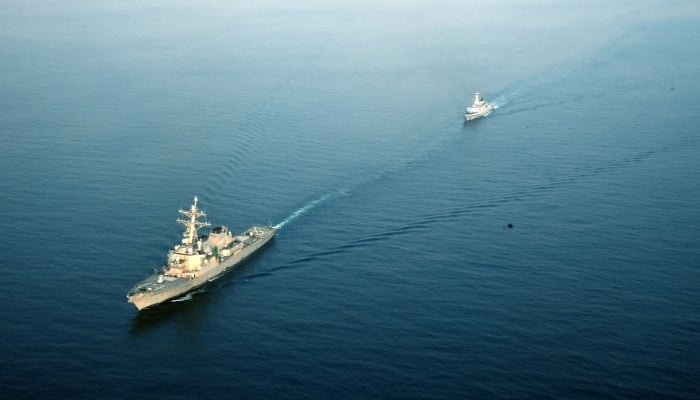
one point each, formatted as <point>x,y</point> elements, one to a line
<point>159,288</point>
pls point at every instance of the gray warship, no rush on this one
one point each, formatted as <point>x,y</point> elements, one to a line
<point>198,259</point>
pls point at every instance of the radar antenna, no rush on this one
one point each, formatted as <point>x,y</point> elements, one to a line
<point>192,223</point>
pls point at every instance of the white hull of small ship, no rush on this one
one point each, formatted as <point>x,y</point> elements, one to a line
<point>479,108</point>
<point>481,113</point>
<point>198,260</point>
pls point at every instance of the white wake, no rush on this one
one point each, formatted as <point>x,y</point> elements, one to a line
<point>302,210</point>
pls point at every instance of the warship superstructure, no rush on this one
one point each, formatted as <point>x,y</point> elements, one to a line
<point>478,108</point>
<point>198,259</point>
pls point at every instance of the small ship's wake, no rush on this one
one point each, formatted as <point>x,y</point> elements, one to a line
<point>505,98</point>
<point>515,97</point>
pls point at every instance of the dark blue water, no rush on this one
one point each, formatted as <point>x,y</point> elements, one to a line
<point>394,273</point>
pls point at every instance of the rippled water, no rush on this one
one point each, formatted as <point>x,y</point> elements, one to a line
<point>395,273</point>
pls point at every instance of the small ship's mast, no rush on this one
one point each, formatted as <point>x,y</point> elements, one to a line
<point>191,223</point>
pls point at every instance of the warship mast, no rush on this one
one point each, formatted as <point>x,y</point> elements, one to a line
<point>192,223</point>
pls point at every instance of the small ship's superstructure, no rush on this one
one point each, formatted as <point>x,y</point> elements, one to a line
<point>478,108</point>
<point>198,259</point>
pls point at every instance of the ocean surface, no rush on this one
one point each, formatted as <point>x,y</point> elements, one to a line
<point>395,273</point>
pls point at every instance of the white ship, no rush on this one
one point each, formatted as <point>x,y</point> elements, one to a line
<point>479,108</point>
<point>197,260</point>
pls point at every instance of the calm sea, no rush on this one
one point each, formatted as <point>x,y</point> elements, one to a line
<point>395,273</point>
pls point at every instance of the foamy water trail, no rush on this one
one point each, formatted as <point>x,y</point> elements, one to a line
<point>186,297</point>
<point>302,210</point>
<point>505,98</point>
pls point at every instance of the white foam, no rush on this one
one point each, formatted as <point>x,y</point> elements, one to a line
<point>505,98</point>
<point>301,211</point>
<point>186,297</point>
